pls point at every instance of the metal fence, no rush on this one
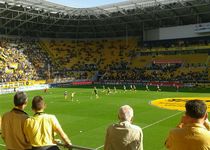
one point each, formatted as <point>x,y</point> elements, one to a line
<point>75,147</point>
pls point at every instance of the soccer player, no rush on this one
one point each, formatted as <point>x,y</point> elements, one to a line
<point>147,87</point>
<point>131,87</point>
<point>72,96</point>
<point>115,89</point>
<point>177,88</point>
<point>65,95</point>
<point>96,92</point>
<point>104,89</point>
<point>134,88</point>
<point>45,90</point>
<point>124,88</point>
<point>108,91</point>
<point>158,88</point>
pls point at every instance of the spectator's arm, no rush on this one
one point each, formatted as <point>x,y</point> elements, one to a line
<point>141,140</point>
<point>168,142</point>
<point>2,128</point>
<point>25,130</point>
<point>63,136</point>
<point>60,131</point>
<point>207,124</point>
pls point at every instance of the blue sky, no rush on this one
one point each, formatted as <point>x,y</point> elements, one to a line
<point>84,3</point>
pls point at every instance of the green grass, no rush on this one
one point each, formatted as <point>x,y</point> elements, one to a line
<point>86,120</point>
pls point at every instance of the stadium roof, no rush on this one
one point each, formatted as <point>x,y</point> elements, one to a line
<point>41,18</point>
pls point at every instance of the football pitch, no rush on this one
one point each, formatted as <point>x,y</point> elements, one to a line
<point>86,118</point>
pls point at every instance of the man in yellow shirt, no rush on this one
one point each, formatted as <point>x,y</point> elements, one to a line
<point>40,128</point>
<point>124,135</point>
<point>12,124</point>
<point>193,131</point>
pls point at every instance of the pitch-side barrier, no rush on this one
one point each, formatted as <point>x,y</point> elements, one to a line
<point>75,147</point>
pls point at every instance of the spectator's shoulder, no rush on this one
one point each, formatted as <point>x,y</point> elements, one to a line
<point>29,120</point>
<point>50,116</point>
<point>111,125</point>
<point>135,127</point>
<point>6,113</point>
<point>176,131</point>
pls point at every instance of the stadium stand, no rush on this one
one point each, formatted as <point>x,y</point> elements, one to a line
<point>70,60</point>
<point>22,59</point>
<point>77,49</point>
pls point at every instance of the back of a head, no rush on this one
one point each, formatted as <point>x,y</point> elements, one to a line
<point>125,113</point>
<point>195,109</point>
<point>38,103</point>
<point>20,98</point>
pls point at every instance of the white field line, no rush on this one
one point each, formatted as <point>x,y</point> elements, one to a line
<point>150,125</point>
<point>2,145</point>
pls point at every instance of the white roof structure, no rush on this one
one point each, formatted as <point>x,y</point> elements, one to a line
<point>94,11</point>
<point>43,18</point>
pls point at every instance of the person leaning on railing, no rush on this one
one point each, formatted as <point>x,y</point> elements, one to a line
<point>40,128</point>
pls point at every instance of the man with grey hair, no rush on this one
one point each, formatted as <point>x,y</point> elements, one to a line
<point>124,135</point>
<point>12,124</point>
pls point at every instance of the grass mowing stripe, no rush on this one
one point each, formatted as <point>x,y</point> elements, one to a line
<point>150,125</point>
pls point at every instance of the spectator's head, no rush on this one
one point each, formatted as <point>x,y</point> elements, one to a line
<point>38,103</point>
<point>20,99</point>
<point>196,109</point>
<point>125,113</point>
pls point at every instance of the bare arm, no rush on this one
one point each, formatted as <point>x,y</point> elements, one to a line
<point>58,129</point>
<point>63,136</point>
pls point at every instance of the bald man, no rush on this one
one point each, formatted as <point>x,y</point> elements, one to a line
<point>124,135</point>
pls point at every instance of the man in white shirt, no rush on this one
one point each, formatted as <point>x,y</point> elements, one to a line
<point>124,135</point>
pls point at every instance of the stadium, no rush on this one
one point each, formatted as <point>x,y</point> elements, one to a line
<point>160,47</point>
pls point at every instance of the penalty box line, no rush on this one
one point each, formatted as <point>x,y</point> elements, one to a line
<point>151,125</point>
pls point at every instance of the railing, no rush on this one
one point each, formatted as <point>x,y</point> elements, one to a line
<point>75,147</point>
<point>72,147</point>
